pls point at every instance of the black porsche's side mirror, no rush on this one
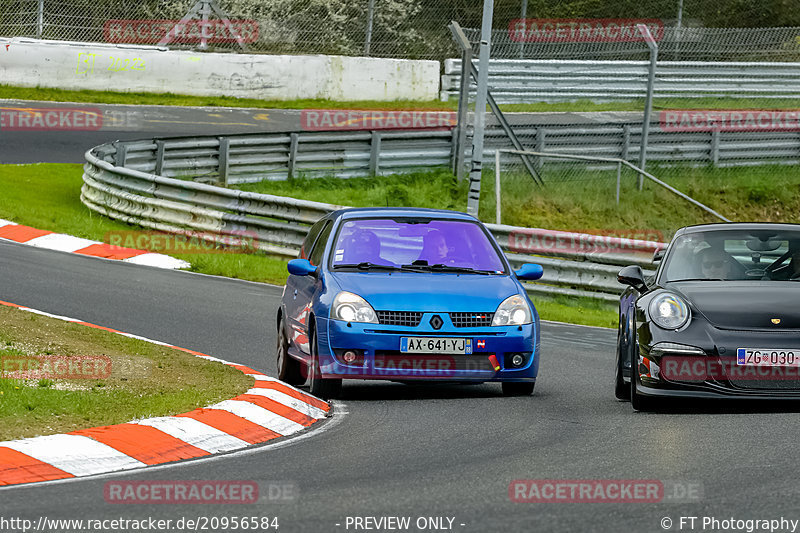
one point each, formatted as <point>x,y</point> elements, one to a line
<point>633,276</point>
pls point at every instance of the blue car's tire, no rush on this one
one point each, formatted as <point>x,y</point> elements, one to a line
<point>518,388</point>
<point>319,386</point>
<point>290,370</point>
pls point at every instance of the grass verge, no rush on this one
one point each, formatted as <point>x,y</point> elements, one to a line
<point>47,196</point>
<point>169,99</point>
<point>145,379</point>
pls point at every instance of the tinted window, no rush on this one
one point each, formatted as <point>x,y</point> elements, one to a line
<point>308,242</point>
<point>319,246</point>
<point>404,241</point>
<point>734,255</point>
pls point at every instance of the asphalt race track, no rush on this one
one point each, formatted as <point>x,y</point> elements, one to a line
<point>418,451</point>
<point>396,450</point>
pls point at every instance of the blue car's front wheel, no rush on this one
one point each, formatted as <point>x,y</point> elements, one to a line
<point>290,370</point>
<point>319,386</point>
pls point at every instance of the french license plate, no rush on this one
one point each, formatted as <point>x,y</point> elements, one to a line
<point>768,357</point>
<point>435,345</point>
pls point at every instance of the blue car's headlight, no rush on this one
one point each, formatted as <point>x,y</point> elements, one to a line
<point>352,308</point>
<point>514,311</point>
<point>669,311</point>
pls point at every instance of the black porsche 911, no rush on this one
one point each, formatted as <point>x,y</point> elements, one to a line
<point>720,317</point>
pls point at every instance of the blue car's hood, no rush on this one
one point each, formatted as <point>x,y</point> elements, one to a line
<point>406,291</point>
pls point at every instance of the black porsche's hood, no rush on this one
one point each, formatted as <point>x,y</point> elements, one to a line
<point>744,304</point>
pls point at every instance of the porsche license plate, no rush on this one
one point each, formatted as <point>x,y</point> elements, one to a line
<point>768,357</point>
<point>435,345</point>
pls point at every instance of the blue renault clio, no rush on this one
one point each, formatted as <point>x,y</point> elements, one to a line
<point>406,294</point>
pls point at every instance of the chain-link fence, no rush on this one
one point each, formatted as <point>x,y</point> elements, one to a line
<point>692,29</point>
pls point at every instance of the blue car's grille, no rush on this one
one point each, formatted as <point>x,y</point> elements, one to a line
<point>471,320</point>
<point>400,318</point>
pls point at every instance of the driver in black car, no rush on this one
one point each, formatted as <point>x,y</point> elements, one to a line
<point>792,270</point>
<point>715,263</point>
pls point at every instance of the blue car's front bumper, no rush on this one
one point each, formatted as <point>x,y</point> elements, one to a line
<point>378,356</point>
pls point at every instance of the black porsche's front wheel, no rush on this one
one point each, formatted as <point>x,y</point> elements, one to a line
<point>622,391</point>
<point>319,386</point>
<point>516,388</point>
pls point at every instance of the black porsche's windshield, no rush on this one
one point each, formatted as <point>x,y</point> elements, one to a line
<point>728,255</point>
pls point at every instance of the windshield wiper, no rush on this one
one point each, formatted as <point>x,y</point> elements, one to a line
<point>366,265</point>
<point>446,268</point>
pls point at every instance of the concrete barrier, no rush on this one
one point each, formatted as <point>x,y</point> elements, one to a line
<point>72,65</point>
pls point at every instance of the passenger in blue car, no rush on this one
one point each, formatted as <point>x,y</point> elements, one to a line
<point>434,249</point>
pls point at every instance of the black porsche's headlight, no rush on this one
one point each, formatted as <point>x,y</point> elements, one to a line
<point>669,311</point>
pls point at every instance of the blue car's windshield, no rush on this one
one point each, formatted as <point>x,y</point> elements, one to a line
<point>415,243</point>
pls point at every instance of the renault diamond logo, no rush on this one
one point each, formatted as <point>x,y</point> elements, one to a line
<point>436,322</point>
<point>776,321</point>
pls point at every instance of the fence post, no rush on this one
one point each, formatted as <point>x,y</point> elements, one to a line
<point>224,158</point>
<point>159,157</point>
<point>370,18</point>
<point>715,134</point>
<point>476,165</point>
<point>497,185</point>
<point>375,153</point>
<point>648,105</point>
<point>626,142</point>
<point>541,135</point>
<point>39,19</point>
<point>619,178</point>
<point>294,140</point>
<point>463,112</point>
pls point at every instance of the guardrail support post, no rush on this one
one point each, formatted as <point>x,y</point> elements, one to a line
<point>122,153</point>
<point>224,156</point>
<point>294,140</point>
<point>159,157</point>
<point>715,134</point>
<point>375,153</point>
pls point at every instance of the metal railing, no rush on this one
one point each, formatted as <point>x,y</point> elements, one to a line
<point>116,185</point>
<point>525,80</point>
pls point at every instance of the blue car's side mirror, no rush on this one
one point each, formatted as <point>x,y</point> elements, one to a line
<point>301,267</point>
<point>530,272</point>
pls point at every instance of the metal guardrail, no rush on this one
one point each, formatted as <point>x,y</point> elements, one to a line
<point>247,158</point>
<point>277,224</point>
<point>524,80</point>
